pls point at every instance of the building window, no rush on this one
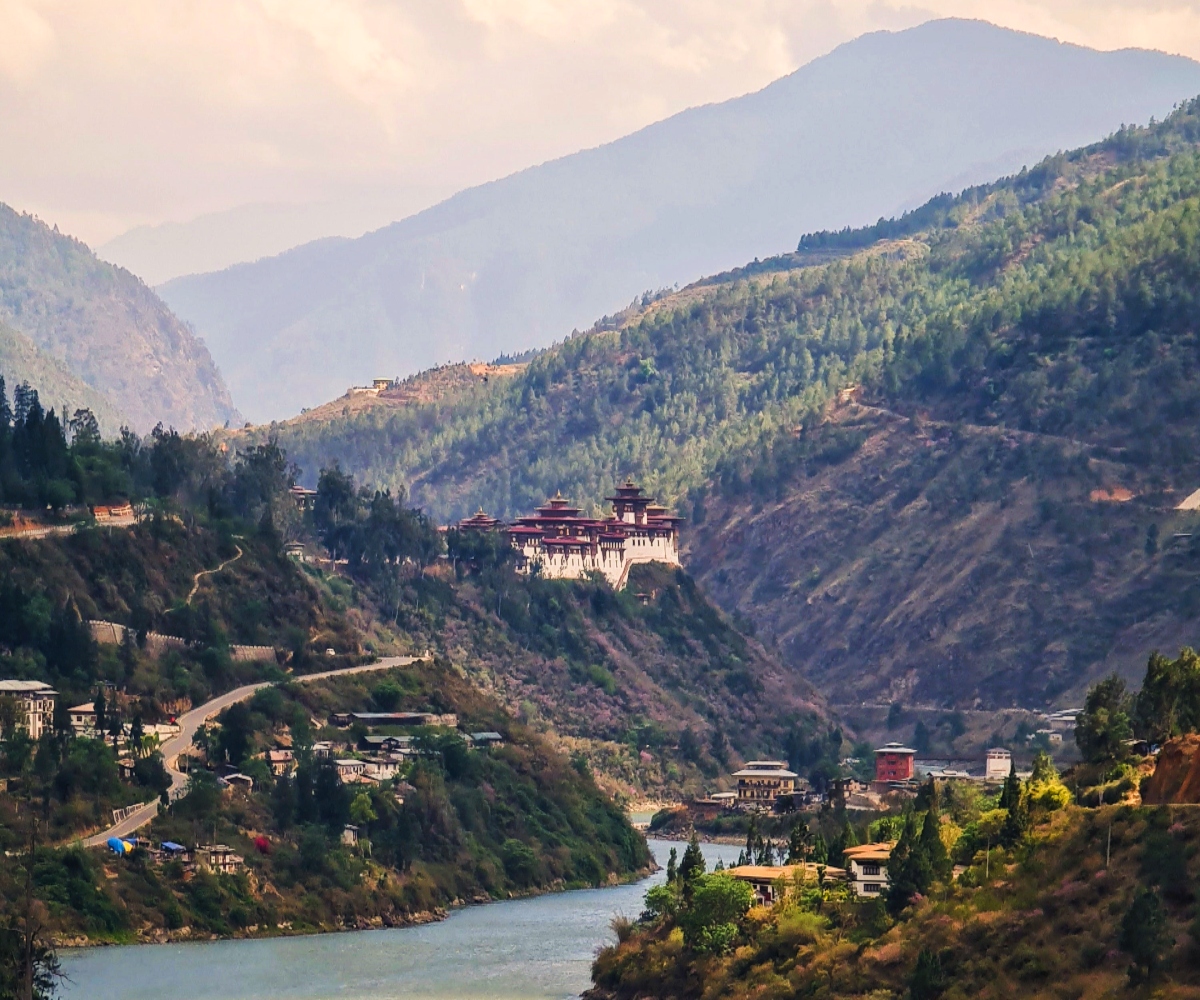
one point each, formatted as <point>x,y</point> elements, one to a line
<point>870,869</point>
<point>871,887</point>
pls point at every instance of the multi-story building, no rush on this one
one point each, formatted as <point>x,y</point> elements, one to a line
<point>219,858</point>
<point>997,764</point>
<point>763,781</point>
<point>561,544</point>
<point>894,762</point>
<point>35,705</point>
<point>866,867</point>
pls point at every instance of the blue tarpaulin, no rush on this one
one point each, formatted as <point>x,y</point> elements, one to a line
<point>174,848</point>
<point>116,845</point>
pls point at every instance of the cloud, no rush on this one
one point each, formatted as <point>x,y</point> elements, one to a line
<point>125,112</point>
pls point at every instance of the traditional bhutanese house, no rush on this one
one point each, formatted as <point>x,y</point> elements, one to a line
<point>83,720</point>
<point>997,764</point>
<point>894,762</point>
<point>281,761</point>
<point>349,769</point>
<point>764,781</point>
<point>486,739</point>
<point>766,880</point>
<point>867,867</point>
<point>219,858</point>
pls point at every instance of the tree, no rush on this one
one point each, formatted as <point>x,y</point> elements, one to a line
<point>99,706</point>
<point>909,872</point>
<point>1016,820</point>
<point>1144,934</point>
<point>692,866</point>
<point>362,813</point>
<point>1104,723</point>
<point>710,920</point>
<point>930,842</point>
<point>895,716</point>
<point>921,738</point>
<point>1169,702</point>
<point>672,866</point>
<point>928,981</point>
<point>137,733</point>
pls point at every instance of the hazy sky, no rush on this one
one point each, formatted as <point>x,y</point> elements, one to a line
<point>115,113</point>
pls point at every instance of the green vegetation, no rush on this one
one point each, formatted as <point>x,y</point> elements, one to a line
<point>1081,903</point>
<point>457,825</point>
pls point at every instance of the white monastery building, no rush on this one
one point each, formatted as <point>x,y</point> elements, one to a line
<point>565,545</point>
<point>35,705</point>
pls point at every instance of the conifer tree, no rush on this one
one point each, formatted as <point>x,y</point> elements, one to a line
<point>672,866</point>
<point>1017,820</point>
<point>908,868</point>
<point>692,866</point>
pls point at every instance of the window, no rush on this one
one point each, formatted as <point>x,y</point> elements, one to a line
<point>870,869</point>
<point>872,887</point>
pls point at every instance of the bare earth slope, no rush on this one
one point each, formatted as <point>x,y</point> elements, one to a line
<point>107,327</point>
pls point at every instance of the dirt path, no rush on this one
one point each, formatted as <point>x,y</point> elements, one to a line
<point>211,572</point>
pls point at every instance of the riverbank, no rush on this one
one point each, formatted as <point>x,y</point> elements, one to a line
<point>537,948</point>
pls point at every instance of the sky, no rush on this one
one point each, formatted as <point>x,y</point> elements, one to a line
<point>123,113</point>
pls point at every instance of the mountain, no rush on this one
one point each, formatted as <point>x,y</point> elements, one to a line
<point>934,460</point>
<point>105,326</point>
<point>876,127</point>
<point>58,386</point>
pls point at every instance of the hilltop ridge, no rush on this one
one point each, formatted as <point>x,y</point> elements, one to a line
<point>108,329</point>
<point>876,126</point>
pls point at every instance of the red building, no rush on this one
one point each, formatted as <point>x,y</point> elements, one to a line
<point>894,763</point>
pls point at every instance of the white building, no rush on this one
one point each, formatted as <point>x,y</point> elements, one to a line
<point>997,764</point>
<point>83,720</point>
<point>35,705</point>
<point>866,868</point>
<point>562,544</point>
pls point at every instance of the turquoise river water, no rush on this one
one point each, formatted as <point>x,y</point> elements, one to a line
<point>526,949</point>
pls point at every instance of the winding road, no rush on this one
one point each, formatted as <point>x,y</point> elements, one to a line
<point>212,572</point>
<point>191,721</point>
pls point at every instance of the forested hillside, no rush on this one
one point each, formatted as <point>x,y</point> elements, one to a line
<point>105,326</point>
<point>1023,344</point>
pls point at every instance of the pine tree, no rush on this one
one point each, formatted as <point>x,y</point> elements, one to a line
<point>672,866</point>
<point>99,706</point>
<point>930,842</point>
<point>1144,933</point>
<point>908,868</point>
<point>692,866</point>
<point>1017,820</point>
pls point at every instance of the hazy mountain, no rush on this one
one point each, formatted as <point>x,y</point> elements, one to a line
<point>248,232</point>
<point>878,125</point>
<point>57,385</point>
<point>105,326</point>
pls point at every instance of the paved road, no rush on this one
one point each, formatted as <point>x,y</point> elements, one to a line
<point>191,721</point>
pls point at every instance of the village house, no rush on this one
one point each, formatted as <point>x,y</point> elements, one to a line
<point>768,881</point>
<point>239,780</point>
<point>83,720</point>
<point>894,762</point>
<point>760,782</point>
<point>219,858</point>
<point>380,768</point>
<point>560,543</point>
<point>350,835</point>
<point>280,762</point>
<point>484,740</point>
<point>35,705</point>
<point>349,769</point>
<point>997,764</point>
<point>866,867</point>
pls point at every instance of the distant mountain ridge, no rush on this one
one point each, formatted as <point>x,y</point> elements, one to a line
<point>875,127</point>
<point>107,328</point>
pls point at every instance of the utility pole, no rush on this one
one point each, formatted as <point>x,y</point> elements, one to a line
<point>1108,848</point>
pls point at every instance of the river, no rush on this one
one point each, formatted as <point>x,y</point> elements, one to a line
<point>525,949</point>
